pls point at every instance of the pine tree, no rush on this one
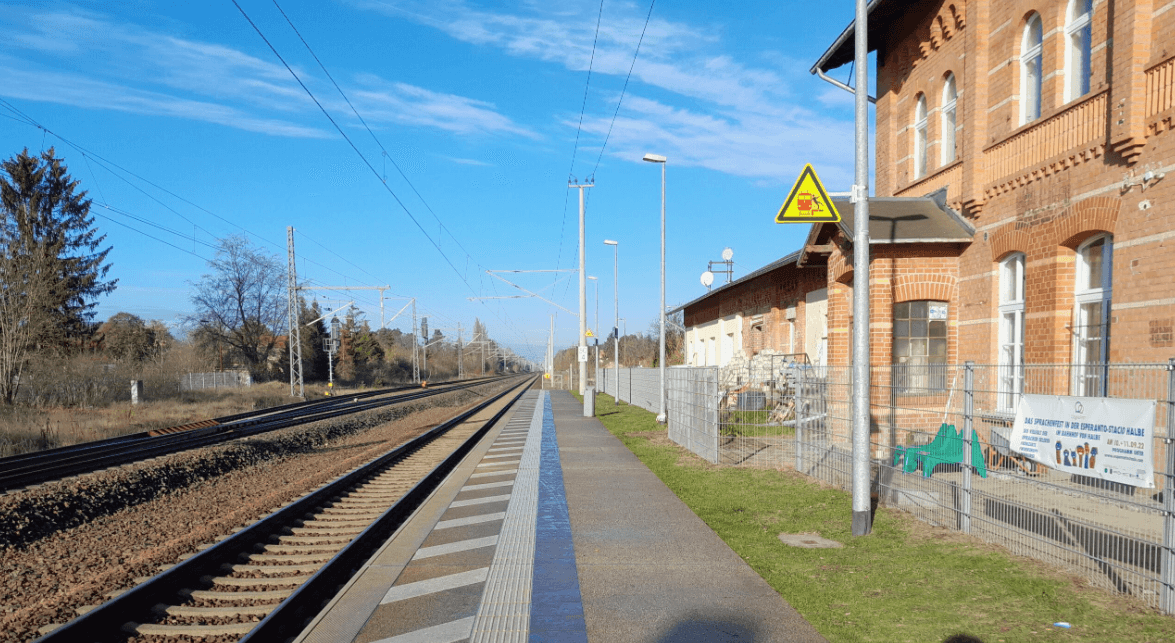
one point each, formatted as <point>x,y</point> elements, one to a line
<point>51,262</point>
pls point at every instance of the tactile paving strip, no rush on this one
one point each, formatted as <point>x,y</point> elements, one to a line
<point>504,614</point>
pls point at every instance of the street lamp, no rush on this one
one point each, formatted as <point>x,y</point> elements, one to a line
<point>616,295</point>
<point>657,158</point>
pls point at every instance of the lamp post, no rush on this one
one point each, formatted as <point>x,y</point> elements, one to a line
<point>616,295</point>
<point>657,158</point>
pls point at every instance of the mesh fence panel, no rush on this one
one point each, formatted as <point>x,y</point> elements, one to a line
<point>693,409</point>
<point>637,386</point>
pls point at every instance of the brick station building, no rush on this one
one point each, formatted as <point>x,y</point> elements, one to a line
<point>1041,131</point>
<point>1043,127</point>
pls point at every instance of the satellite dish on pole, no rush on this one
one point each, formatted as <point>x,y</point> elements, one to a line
<point>707,278</point>
<point>727,254</point>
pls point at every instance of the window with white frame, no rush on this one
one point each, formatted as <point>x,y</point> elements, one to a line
<point>1091,315</point>
<point>1031,59</point>
<point>920,346</point>
<point>920,138</point>
<point>949,100</point>
<point>1078,36</point>
<point>1011,357</point>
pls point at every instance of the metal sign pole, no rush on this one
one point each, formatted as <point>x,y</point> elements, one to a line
<point>862,517</point>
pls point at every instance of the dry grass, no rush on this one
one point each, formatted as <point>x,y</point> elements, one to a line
<point>24,430</point>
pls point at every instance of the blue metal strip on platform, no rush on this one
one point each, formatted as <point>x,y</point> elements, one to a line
<point>556,611</point>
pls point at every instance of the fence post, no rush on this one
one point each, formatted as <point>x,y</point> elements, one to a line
<point>797,393</point>
<point>968,416</point>
<point>1167,565</point>
<point>711,398</point>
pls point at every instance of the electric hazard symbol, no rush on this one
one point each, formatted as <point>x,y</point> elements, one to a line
<point>807,202</point>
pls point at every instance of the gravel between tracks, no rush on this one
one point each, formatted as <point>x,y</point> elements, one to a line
<point>67,544</point>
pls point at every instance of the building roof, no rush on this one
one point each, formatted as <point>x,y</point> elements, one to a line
<point>908,220</point>
<point>788,260</point>
<point>882,15</point>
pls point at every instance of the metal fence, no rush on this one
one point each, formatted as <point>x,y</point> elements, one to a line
<point>1118,536</point>
<point>692,409</point>
<point>637,386</point>
<point>219,379</point>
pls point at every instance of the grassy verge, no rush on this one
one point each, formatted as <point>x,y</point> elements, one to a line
<point>906,581</point>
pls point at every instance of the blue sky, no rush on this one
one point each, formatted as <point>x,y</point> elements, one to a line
<point>193,130</point>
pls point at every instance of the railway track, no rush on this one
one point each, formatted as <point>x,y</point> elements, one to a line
<point>264,582</point>
<point>21,471</point>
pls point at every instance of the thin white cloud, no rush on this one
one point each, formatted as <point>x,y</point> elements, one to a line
<point>126,67</point>
<point>462,161</point>
<point>742,119</point>
<point>408,104</point>
<point>674,56</point>
<point>72,89</point>
<point>749,145</point>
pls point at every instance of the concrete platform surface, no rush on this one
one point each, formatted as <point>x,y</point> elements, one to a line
<point>649,569</point>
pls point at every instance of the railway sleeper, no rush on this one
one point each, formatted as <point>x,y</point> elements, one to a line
<point>176,631</point>
<point>279,581</point>
<point>211,595</point>
<point>229,612</point>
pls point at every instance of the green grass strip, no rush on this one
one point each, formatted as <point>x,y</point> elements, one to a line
<point>906,581</point>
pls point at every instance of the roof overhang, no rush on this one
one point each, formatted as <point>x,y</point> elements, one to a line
<point>882,15</point>
<point>895,220</point>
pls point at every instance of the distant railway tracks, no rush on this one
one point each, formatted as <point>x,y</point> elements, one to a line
<point>36,468</point>
<point>266,580</point>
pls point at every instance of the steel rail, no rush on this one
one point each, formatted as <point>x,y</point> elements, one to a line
<point>107,622</point>
<point>59,464</point>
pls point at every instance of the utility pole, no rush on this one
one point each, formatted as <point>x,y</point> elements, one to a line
<point>424,349</point>
<point>294,337</point>
<point>415,347</point>
<point>460,355</point>
<point>582,356</point>
<point>862,516</point>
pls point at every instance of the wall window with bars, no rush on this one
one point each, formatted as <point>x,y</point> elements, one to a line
<point>1011,356</point>
<point>920,346</point>
<point>1091,315</point>
<point>949,102</point>
<point>1078,48</point>
<point>1031,60</point>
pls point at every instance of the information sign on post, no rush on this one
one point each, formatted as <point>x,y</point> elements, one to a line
<point>583,353</point>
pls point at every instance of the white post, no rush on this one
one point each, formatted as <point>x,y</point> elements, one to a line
<point>661,416</point>
<point>581,357</point>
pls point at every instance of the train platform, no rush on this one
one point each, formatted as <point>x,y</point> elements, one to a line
<point>551,530</point>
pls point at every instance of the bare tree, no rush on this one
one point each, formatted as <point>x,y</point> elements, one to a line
<point>241,304</point>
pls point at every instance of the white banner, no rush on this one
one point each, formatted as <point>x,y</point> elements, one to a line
<point>1098,437</point>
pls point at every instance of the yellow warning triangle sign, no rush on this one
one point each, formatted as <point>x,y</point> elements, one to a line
<point>807,202</point>
<point>589,333</point>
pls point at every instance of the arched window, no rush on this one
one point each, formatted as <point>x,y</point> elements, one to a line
<point>949,99</point>
<point>920,138</point>
<point>1030,69</point>
<point>1011,358</point>
<point>1091,316</point>
<point>1078,34</point>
